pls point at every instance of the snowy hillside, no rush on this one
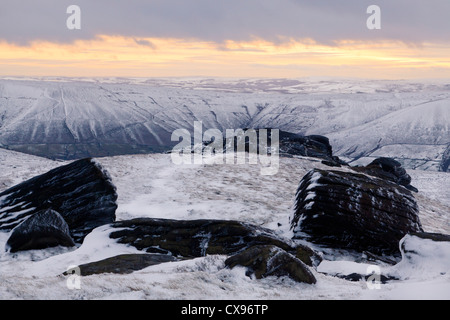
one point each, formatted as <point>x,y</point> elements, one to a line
<point>152,186</point>
<point>72,118</point>
<point>422,131</point>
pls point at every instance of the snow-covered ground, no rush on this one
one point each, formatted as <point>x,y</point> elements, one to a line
<point>152,186</point>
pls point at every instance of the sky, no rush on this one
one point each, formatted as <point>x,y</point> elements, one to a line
<point>225,38</point>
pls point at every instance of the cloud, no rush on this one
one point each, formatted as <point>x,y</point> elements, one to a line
<point>324,21</point>
<point>146,43</point>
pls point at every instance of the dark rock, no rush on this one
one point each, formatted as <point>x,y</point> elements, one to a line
<point>43,229</point>
<point>289,144</point>
<point>445,162</point>
<point>312,146</point>
<point>307,255</point>
<point>381,278</point>
<point>123,264</point>
<point>81,192</point>
<point>388,169</point>
<point>194,238</point>
<point>316,146</point>
<point>354,211</point>
<point>369,256</point>
<point>440,237</point>
<point>197,238</point>
<point>267,260</point>
<point>351,277</point>
<point>335,162</point>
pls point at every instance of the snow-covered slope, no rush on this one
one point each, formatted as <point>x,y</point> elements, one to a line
<point>152,186</point>
<point>72,118</point>
<point>416,133</point>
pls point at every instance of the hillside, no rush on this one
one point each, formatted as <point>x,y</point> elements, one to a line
<point>73,118</point>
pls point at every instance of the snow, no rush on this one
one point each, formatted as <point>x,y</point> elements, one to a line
<point>313,181</point>
<point>422,259</point>
<point>364,119</point>
<point>343,267</point>
<point>426,123</point>
<point>361,117</point>
<point>423,272</point>
<point>14,215</point>
<point>97,246</point>
<point>426,260</point>
<point>310,196</point>
<point>152,186</point>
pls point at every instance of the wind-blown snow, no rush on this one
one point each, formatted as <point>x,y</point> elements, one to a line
<point>152,186</point>
<point>422,274</point>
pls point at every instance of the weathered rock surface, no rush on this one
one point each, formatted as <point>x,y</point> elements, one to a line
<point>267,260</point>
<point>260,249</point>
<point>313,146</point>
<point>438,237</point>
<point>354,211</point>
<point>445,162</point>
<point>43,229</point>
<point>197,238</point>
<point>316,146</point>
<point>81,192</point>
<point>123,264</point>
<point>388,169</point>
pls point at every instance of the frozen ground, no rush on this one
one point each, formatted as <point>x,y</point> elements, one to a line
<point>152,186</point>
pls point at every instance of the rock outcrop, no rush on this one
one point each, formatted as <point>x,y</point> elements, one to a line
<point>267,260</point>
<point>290,144</point>
<point>81,192</point>
<point>194,238</point>
<point>354,211</point>
<point>445,162</point>
<point>316,146</point>
<point>259,249</point>
<point>43,229</point>
<point>123,264</point>
<point>437,237</point>
<point>388,169</point>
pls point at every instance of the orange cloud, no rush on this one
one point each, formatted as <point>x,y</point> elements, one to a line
<point>164,57</point>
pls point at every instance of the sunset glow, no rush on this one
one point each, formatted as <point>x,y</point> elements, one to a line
<point>172,57</point>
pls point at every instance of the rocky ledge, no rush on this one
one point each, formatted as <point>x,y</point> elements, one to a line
<point>354,211</point>
<point>81,192</point>
<point>445,162</point>
<point>290,144</point>
<point>249,245</point>
<point>259,250</point>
